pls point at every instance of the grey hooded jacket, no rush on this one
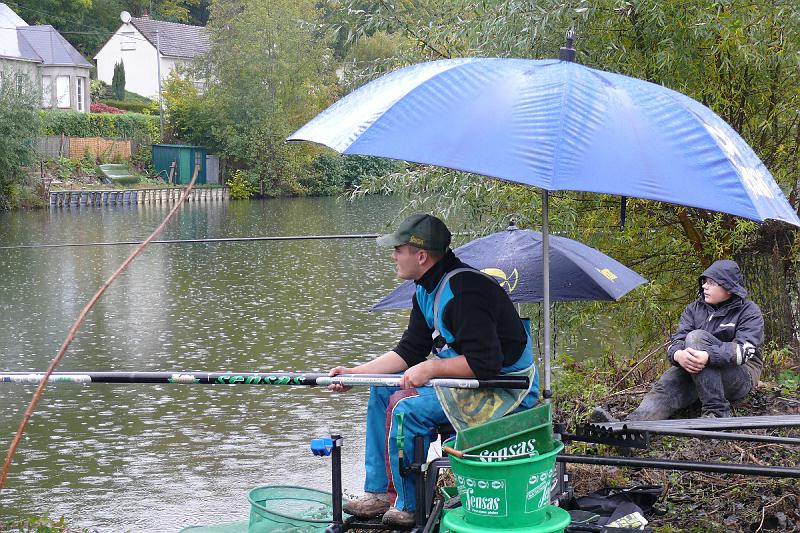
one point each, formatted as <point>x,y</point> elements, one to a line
<point>737,322</point>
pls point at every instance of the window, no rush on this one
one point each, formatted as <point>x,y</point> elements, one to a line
<point>62,92</point>
<point>47,91</point>
<point>21,84</point>
<point>128,41</point>
<point>79,92</point>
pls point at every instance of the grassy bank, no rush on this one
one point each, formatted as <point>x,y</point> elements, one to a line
<point>694,501</point>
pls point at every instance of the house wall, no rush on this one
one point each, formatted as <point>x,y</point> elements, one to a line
<point>38,75</point>
<point>70,77</point>
<point>139,58</point>
<point>11,68</point>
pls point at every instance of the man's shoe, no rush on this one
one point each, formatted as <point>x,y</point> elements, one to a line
<point>600,415</point>
<point>713,414</point>
<point>396,517</point>
<point>369,505</point>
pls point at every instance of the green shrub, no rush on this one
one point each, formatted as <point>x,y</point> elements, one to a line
<point>149,107</point>
<point>142,158</point>
<point>243,185</point>
<point>337,173</point>
<point>118,81</point>
<point>124,126</point>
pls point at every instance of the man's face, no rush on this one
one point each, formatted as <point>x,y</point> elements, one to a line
<point>713,292</point>
<point>407,262</point>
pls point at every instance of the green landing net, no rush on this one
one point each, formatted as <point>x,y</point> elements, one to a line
<point>280,509</point>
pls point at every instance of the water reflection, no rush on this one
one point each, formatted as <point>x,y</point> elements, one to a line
<point>157,458</point>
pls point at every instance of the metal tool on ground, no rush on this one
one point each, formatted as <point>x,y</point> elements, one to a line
<point>689,466</point>
<point>303,379</point>
<point>734,422</point>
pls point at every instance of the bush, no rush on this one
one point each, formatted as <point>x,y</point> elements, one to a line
<point>242,185</point>
<point>339,173</point>
<point>147,107</point>
<point>99,90</point>
<point>99,107</point>
<point>19,125</point>
<point>111,126</point>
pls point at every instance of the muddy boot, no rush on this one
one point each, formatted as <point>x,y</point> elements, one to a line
<point>369,505</point>
<point>396,517</point>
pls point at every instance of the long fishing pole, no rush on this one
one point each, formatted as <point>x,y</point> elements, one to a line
<point>190,241</point>
<point>77,325</point>
<point>218,240</point>
<point>259,378</point>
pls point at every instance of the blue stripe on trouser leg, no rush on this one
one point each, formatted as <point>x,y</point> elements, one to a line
<point>421,414</point>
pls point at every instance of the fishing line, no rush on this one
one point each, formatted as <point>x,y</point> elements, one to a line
<point>76,326</point>
<point>189,241</point>
<point>209,240</point>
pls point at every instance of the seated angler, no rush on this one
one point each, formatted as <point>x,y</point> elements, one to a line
<point>714,354</point>
<point>473,328</point>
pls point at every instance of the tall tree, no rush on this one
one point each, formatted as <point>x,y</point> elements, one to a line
<point>118,81</point>
<point>740,59</point>
<point>269,71</point>
<point>19,125</point>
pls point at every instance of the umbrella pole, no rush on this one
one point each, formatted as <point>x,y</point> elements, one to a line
<point>547,393</point>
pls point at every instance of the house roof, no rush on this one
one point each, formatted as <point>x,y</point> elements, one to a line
<point>39,44</point>
<point>9,19</point>
<point>51,47</point>
<point>176,40</point>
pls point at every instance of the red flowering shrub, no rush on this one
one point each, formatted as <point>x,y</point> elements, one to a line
<point>100,107</point>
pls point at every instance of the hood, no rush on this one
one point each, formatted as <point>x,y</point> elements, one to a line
<point>727,274</point>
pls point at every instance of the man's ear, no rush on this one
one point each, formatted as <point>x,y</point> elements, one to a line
<point>422,257</point>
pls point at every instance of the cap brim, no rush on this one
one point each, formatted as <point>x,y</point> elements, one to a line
<point>390,240</point>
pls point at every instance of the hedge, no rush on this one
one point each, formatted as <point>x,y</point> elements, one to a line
<point>147,108</point>
<point>110,126</point>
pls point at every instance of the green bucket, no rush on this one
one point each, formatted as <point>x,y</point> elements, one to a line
<point>281,508</point>
<point>555,520</point>
<point>506,494</point>
<point>516,434</point>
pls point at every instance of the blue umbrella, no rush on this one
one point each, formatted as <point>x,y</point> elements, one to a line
<point>514,258</point>
<point>556,125</point>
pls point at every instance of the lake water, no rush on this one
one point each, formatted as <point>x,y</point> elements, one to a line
<point>158,458</point>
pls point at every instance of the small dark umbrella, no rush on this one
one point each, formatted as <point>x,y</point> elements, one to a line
<point>514,258</point>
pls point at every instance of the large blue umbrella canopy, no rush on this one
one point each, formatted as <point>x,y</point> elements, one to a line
<point>556,125</point>
<point>514,258</point>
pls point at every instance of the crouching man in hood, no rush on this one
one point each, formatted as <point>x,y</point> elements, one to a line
<point>715,353</point>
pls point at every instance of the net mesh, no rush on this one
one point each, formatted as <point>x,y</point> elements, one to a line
<point>280,509</point>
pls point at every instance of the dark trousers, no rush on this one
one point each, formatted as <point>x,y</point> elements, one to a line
<point>713,386</point>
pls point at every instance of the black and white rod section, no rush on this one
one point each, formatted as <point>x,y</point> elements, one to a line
<point>258,378</point>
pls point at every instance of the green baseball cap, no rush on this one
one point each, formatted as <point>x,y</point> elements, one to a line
<point>421,231</point>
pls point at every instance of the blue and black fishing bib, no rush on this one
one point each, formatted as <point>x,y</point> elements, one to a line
<point>468,407</point>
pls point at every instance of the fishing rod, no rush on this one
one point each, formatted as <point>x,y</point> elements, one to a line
<point>303,379</point>
<point>189,241</point>
<point>219,240</point>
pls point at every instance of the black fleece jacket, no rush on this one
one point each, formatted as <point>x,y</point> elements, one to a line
<point>481,316</point>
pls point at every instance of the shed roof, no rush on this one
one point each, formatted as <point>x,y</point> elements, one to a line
<point>176,40</point>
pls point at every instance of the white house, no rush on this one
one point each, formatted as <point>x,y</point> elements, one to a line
<point>41,57</point>
<point>135,42</point>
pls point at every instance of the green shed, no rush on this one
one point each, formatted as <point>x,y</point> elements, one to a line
<point>185,157</point>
